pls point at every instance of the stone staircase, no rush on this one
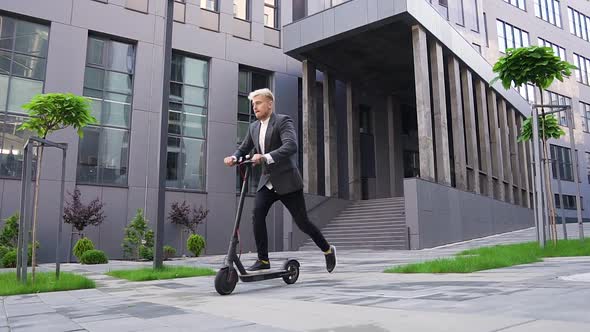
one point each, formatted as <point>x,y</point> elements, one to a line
<point>369,224</point>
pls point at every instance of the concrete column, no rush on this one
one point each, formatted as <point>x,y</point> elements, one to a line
<point>502,112</point>
<point>495,143</point>
<point>470,131</point>
<point>524,165</point>
<point>423,109</point>
<point>439,107</point>
<point>484,134</point>
<point>396,163</point>
<point>330,140</point>
<point>353,145</point>
<point>514,155</point>
<point>310,145</point>
<point>457,123</point>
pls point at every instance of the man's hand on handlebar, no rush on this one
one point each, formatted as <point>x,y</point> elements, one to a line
<point>258,159</point>
<point>230,161</point>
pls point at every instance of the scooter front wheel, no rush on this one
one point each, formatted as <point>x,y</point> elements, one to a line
<point>292,267</point>
<point>226,280</point>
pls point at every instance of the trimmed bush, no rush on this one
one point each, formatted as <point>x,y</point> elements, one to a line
<point>9,259</point>
<point>3,251</point>
<point>146,253</point>
<point>94,257</point>
<point>169,252</point>
<point>195,244</point>
<point>82,246</point>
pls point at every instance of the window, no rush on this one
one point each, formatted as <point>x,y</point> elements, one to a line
<point>582,72</point>
<point>248,81</point>
<point>588,165</point>
<point>585,110</point>
<point>299,9</point>
<point>517,3</point>
<point>108,82</point>
<point>510,36</point>
<point>411,164</point>
<point>242,10</point>
<point>527,92</point>
<point>562,161</point>
<point>461,13</point>
<point>558,50</point>
<point>209,5</point>
<point>579,23</point>
<point>138,5</point>
<point>271,14</point>
<point>187,123</point>
<point>569,202</point>
<point>553,98</point>
<point>23,59</point>
<point>549,11</point>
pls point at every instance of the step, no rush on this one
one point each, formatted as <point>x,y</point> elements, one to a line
<point>370,215</point>
<point>372,212</point>
<point>384,224</point>
<point>376,205</point>
<point>368,220</point>
<point>364,240</point>
<point>368,232</point>
<point>374,208</point>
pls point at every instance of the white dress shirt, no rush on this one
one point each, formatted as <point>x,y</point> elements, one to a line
<point>261,138</point>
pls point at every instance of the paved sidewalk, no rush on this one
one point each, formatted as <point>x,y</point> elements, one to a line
<point>548,296</point>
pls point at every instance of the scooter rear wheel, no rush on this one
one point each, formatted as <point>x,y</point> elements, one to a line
<point>293,268</point>
<point>226,280</point>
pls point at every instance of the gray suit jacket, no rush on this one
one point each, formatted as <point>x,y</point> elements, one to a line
<point>281,143</point>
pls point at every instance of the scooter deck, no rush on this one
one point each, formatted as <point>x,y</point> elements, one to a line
<point>264,275</point>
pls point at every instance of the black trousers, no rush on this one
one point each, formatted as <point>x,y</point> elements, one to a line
<point>295,203</point>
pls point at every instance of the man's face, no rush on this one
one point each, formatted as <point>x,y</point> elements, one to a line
<point>262,107</point>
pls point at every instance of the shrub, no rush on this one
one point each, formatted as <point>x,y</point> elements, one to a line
<point>82,246</point>
<point>137,234</point>
<point>169,252</point>
<point>146,252</point>
<point>9,234</point>
<point>195,244</point>
<point>3,251</point>
<point>94,257</point>
<point>9,259</point>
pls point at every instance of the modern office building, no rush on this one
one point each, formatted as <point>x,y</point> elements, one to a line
<point>403,141</point>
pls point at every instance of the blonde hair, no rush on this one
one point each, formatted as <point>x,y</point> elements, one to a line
<point>262,92</point>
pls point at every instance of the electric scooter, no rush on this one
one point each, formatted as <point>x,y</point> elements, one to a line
<point>227,277</point>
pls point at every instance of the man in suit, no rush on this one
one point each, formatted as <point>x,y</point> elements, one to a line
<point>274,140</point>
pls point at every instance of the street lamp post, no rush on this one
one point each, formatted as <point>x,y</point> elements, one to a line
<point>159,241</point>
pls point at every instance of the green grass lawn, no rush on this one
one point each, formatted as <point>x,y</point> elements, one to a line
<point>44,282</point>
<point>167,272</point>
<point>496,257</point>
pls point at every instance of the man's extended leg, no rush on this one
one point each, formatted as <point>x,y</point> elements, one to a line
<point>295,203</point>
<point>264,200</point>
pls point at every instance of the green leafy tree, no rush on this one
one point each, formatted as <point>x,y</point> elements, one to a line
<point>48,113</point>
<point>9,235</point>
<point>541,67</point>
<point>137,236</point>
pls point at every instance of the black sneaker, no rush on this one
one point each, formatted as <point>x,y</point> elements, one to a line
<point>259,265</point>
<point>331,259</point>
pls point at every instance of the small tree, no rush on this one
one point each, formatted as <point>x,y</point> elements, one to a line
<point>137,234</point>
<point>9,235</point>
<point>180,214</point>
<point>539,66</point>
<point>48,113</point>
<point>80,216</point>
